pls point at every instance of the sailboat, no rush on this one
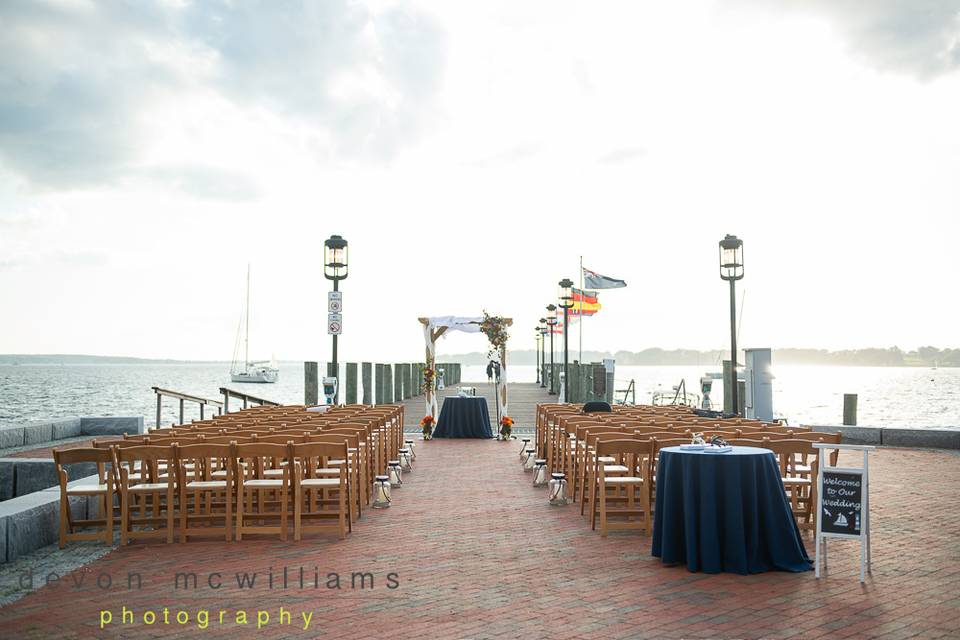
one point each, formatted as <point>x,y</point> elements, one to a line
<point>261,371</point>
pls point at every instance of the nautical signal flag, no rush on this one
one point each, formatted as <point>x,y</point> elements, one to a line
<point>585,303</point>
<point>594,280</point>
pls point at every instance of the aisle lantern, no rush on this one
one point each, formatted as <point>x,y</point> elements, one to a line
<point>523,449</point>
<point>540,473</point>
<point>396,475</point>
<point>413,452</point>
<point>405,461</point>
<point>381,492</point>
<point>558,489</point>
<point>531,460</point>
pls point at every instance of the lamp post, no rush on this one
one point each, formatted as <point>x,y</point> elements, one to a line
<point>551,323</point>
<point>536,342</point>
<point>566,303</point>
<point>731,270</point>
<point>335,269</point>
<point>543,342</point>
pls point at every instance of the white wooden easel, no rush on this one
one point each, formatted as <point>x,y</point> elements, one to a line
<point>864,474</point>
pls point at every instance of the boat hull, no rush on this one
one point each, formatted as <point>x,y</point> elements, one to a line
<point>261,376</point>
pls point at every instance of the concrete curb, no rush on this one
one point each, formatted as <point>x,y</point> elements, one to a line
<point>40,432</point>
<point>20,476</point>
<point>895,437</point>
<point>33,521</point>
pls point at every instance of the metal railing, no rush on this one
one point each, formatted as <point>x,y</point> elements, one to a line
<point>245,397</point>
<point>184,397</point>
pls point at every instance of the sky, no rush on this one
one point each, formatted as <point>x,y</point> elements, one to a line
<point>471,153</point>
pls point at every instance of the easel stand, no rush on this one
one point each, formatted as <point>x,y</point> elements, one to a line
<point>844,510</point>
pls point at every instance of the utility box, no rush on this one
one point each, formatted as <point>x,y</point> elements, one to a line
<point>759,384</point>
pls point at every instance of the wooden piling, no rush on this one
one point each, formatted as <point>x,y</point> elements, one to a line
<point>850,409</point>
<point>311,381</point>
<point>366,374</point>
<point>378,384</point>
<point>351,382</point>
<point>387,383</point>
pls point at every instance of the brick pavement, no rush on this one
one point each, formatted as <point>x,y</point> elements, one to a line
<point>478,553</point>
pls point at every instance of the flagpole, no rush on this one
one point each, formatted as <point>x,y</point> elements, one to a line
<point>581,309</point>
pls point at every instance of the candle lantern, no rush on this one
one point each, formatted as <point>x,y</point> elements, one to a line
<point>405,461</point>
<point>381,492</point>
<point>540,473</point>
<point>531,460</point>
<point>396,475</point>
<point>558,489</point>
<point>413,451</point>
<point>523,449</point>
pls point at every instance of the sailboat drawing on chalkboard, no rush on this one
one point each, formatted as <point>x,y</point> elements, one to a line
<point>841,521</point>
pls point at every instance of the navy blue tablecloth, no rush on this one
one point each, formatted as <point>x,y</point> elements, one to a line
<point>725,512</point>
<point>463,418</point>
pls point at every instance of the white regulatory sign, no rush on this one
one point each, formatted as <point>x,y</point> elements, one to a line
<point>334,324</point>
<point>334,301</point>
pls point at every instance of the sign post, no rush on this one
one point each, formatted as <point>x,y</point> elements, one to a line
<point>843,504</point>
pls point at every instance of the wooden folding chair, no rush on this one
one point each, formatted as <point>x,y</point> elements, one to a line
<point>630,489</point>
<point>104,490</point>
<point>145,477</point>
<point>212,498</point>
<point>253,459</point>
<point>356,471</point>
<point>314,492</point>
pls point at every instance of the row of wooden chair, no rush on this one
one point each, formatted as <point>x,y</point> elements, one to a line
<point>248,472</point>
<point>168,490</point>
<point>578,445</point>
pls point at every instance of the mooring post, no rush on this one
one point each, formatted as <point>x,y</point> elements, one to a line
<point>387,384</point>
<point>366,376</point>
<point>850,409</point>
<point>378,383</point>
<point>351,390</point>
<point>311,386</point>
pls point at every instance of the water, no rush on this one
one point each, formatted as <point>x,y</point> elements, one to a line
<point>888,396</point>
<point>916,397</point>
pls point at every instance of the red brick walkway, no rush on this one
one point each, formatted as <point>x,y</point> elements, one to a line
<point>478,553</point>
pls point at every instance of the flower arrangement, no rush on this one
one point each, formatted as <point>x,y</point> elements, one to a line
<point>506,427</point>
<point>495,328</point>
<point>426,424</point>
<point>429,378</point>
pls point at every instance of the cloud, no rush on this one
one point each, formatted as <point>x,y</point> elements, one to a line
<point>514,154</point>
<point>622,155</point>
<point>203,182</point>
<point>76,79</point>
<point>916,37</point>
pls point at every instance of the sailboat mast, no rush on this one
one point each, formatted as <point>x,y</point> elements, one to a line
<point>246,340</point>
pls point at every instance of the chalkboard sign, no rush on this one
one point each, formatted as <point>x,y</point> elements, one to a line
<point>841,507</point>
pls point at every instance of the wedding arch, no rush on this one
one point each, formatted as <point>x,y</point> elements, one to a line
<point>493,327</point>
